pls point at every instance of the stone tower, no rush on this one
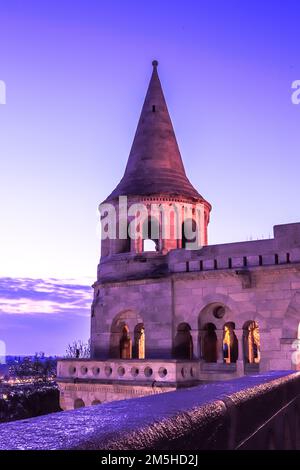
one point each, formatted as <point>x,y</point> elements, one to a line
<point>154,176</point>
<point>172,311</point>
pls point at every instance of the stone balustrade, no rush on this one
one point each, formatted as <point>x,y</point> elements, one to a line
<point>128,370</point>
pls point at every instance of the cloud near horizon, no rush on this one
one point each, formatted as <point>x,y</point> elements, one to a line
<point>44,296</point>
<point>43,314</point>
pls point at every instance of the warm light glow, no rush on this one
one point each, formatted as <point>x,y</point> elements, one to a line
<point>141,344</point>
<point>125,344</point>
<point>226,343</point>
<point>253,343</point>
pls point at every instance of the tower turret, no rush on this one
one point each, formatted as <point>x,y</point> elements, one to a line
<point>155,176</point>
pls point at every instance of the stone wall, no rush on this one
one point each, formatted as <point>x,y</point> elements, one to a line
<point>271,298</point>
<point>254,281</point>
<point>261,412</point>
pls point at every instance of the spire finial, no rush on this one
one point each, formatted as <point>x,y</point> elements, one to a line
<point>154,63</point>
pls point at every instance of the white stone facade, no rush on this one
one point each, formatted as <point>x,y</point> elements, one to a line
<point>262,285</point>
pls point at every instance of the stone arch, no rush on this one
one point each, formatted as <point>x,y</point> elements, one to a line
<point>183,342</point>
<point>291,318</point>
<point>96,402</point>
<point>78,403</point>
<point>203,310</point>
<point>230,343</point>
<point>139,341</point>
<point>126,320</point>
<point>216,309</point>
<point>250,315</point>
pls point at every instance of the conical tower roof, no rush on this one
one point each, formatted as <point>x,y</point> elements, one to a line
<point>154,165</point>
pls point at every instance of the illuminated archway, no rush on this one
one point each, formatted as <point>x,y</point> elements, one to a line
<point>251,340</point>
<point>122,328</point>
<point>230,344</point>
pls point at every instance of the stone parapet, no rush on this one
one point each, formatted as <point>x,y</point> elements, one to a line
<point>255,412</point>
<point>133,371</point>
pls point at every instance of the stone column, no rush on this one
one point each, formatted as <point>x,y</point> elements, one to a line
<point>220,334</point>
<point>162,241</point>
<point>138,245</point>
<point>195,336</point>
<point>131,337</point>
<point>240,362</point>
<point>201,342</point>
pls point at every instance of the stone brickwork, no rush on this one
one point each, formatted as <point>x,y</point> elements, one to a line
<point>263,292</point>
<point>266,293</point>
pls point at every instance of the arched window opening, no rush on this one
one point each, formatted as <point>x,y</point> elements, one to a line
<point>120,339</point>
<point>188,232</point>
<point>183,344</point>
<point>230,344</point>
<point>210,343</point>
<point>78,403</point>
<point>150,234</point>
<point>125,344</point>
<point>251,343</point>
<point>139,341</point>
<point>149,245</point>
<point>96,402</point>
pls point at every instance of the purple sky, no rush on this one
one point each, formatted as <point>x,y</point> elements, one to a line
<point>76,74</point>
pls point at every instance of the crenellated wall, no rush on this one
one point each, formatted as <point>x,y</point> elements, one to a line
<point>283,249</point>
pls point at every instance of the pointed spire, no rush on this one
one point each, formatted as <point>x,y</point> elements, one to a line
<point>154,165</point>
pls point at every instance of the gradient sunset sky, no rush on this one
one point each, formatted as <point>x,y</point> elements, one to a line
<point>76,74</point>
